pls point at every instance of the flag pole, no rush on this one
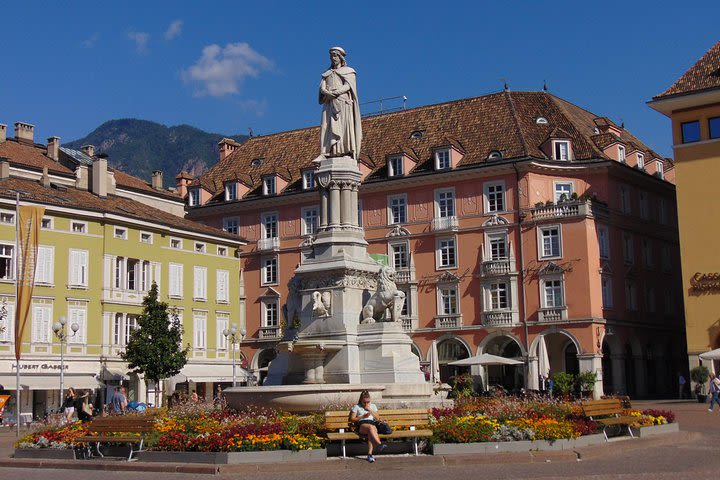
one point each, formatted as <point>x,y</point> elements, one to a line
<point>17,296</point>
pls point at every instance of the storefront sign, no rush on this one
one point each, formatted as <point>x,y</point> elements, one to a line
<point>39,366</point>
<point>705,282</point>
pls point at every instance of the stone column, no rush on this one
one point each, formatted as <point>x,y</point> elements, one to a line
<point>334,204</point>
<point>324,220</point>
<point>345,201</point>
<point>354,203</point>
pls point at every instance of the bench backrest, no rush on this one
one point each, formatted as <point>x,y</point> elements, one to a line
<point>121,424</point>
<point>602,408</point>
<point>407,417</point>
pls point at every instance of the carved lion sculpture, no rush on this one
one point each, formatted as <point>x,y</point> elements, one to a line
<point>386,296</point>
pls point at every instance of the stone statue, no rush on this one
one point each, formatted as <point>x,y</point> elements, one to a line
<point>340,129</point>
<point>386,296</point>
<point>321,303</point>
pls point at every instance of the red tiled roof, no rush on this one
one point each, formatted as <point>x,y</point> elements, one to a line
<point>704,75</point>
<point>123,179</point>
<point>504,121</point>
<point>30,155</point>
<point>69,197</point>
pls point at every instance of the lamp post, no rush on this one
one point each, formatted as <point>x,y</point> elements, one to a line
<point>231,335</point>
<point>62,335</point>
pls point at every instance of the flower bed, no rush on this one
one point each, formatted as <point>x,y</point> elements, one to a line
<point>203,428</point>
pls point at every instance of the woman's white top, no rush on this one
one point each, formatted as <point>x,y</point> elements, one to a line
<point>359,411</point>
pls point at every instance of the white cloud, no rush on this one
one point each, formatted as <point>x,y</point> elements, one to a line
<point>141,40</point>
<point>90,42</point>
<point>174,30</point>
<point>219,71</point>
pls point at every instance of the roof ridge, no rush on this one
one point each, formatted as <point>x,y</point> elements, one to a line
<point>521,134</point>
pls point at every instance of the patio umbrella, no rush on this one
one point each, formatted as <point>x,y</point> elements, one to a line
<point>543,359</point>
<point>486,359</point>
<point>434,363</point>
<point>711,355</point>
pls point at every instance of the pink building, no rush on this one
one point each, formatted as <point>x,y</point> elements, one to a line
<point>511,219</point>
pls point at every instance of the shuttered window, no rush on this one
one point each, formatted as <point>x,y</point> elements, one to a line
<point>77,315</point>
<point>223,280</point>
<point>200,283</point>
<point>176,280</point>
<point>41,318</point>
<point>44,269</point>
<point>79,268</point>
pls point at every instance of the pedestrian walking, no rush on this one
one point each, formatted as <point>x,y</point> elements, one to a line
<point>714,391</point>
<point>681,386</point>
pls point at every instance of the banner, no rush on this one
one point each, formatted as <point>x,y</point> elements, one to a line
<point>29,219</point>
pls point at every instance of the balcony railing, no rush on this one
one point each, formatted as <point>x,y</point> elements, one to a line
<point>576,208</point>
<point>268,244</point>
<point>448,321</point>
<point>552,314</point>
<point>498,319</point>
<point>407,324</point>
<point>496,267</point>
<point>403,276</point>
<point>267,333</point>
<point>444,224</point>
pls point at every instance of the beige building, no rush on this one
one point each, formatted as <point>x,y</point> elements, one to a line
<point>693,105</point>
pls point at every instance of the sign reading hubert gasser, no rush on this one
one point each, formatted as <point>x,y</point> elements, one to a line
<point>705,282</point>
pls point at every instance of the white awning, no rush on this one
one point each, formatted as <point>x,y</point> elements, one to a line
<point>49,382</point>
<point>212,372</point>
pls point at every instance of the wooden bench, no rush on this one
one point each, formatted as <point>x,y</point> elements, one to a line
<point>608,412</point>
<point>115,429</point>
<point>404,423</point>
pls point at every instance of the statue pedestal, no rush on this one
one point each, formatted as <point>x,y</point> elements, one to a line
<point>386,356</point>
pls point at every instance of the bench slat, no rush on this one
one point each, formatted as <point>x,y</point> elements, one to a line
<point>401,434</point>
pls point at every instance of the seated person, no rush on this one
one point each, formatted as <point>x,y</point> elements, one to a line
<point>364,415</point>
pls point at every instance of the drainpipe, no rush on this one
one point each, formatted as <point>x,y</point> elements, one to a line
<point>522,277</point>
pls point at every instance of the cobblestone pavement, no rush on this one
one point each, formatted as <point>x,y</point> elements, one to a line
<point>693,453</point>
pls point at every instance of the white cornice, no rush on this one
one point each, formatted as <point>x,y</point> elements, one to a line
<point>668,105</point>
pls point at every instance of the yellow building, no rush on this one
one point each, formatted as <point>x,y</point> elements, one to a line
<point>100,251</point>
<point>693,105</point>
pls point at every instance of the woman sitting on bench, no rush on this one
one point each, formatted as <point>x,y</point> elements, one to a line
<point>364,415</point>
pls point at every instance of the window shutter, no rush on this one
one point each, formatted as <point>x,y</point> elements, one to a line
<point>222,285</point>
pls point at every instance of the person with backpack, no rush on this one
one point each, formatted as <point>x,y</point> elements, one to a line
<point>714,391</point>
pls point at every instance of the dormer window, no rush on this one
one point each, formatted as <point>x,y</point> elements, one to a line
<point>541,121</point>
<point>561,150</point>
<point>308,179</point>
<point>230,191</point>
<point>269,186</point>
<point>640,161</point>
<point>660,169</point>
<point>194,197</point>
<point>495,155</point>
<point>621,154</point>
<point>442,159</point>
<point>395,166</point>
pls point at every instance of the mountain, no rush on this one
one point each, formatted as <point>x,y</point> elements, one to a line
<point>138,147</point>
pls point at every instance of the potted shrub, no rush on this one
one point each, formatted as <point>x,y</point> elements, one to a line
<point>586,383</point>
<point>700,375</point>
<point>563,383</point>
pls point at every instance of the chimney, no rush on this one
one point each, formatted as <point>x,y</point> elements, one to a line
<point>81,177</point>
<point>157,180</point>
<point>45,178</point>
<point>182,180</point>
<point>226,147</point>
<point>99,176</point>
<point>3,132</point>
<point>88,150</point>
<point>53,148</point>
<point>24,132</point>
<point>4,169</point>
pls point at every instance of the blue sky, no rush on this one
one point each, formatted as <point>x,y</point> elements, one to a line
<point>229,66</point>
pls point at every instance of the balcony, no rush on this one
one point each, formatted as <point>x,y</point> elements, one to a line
<point>269,333</point>
<point>576,208</point>
<point>445,224</point>
<point>552,314</point>
<point>403,276</point>
<point>496,267</point>
<point>271,244</point>
<point>447,322</point>
<point>407,324</point>
<point>499,319</point>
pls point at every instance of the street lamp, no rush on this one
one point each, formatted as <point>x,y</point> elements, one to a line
<point>62,335</point>
<point>232,336</point>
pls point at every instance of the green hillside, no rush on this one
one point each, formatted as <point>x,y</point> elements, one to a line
<point>138,147</point>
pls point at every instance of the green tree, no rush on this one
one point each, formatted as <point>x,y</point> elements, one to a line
<point>155,347</point>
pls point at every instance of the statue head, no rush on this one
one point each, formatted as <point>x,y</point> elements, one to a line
<point>337,57</point>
